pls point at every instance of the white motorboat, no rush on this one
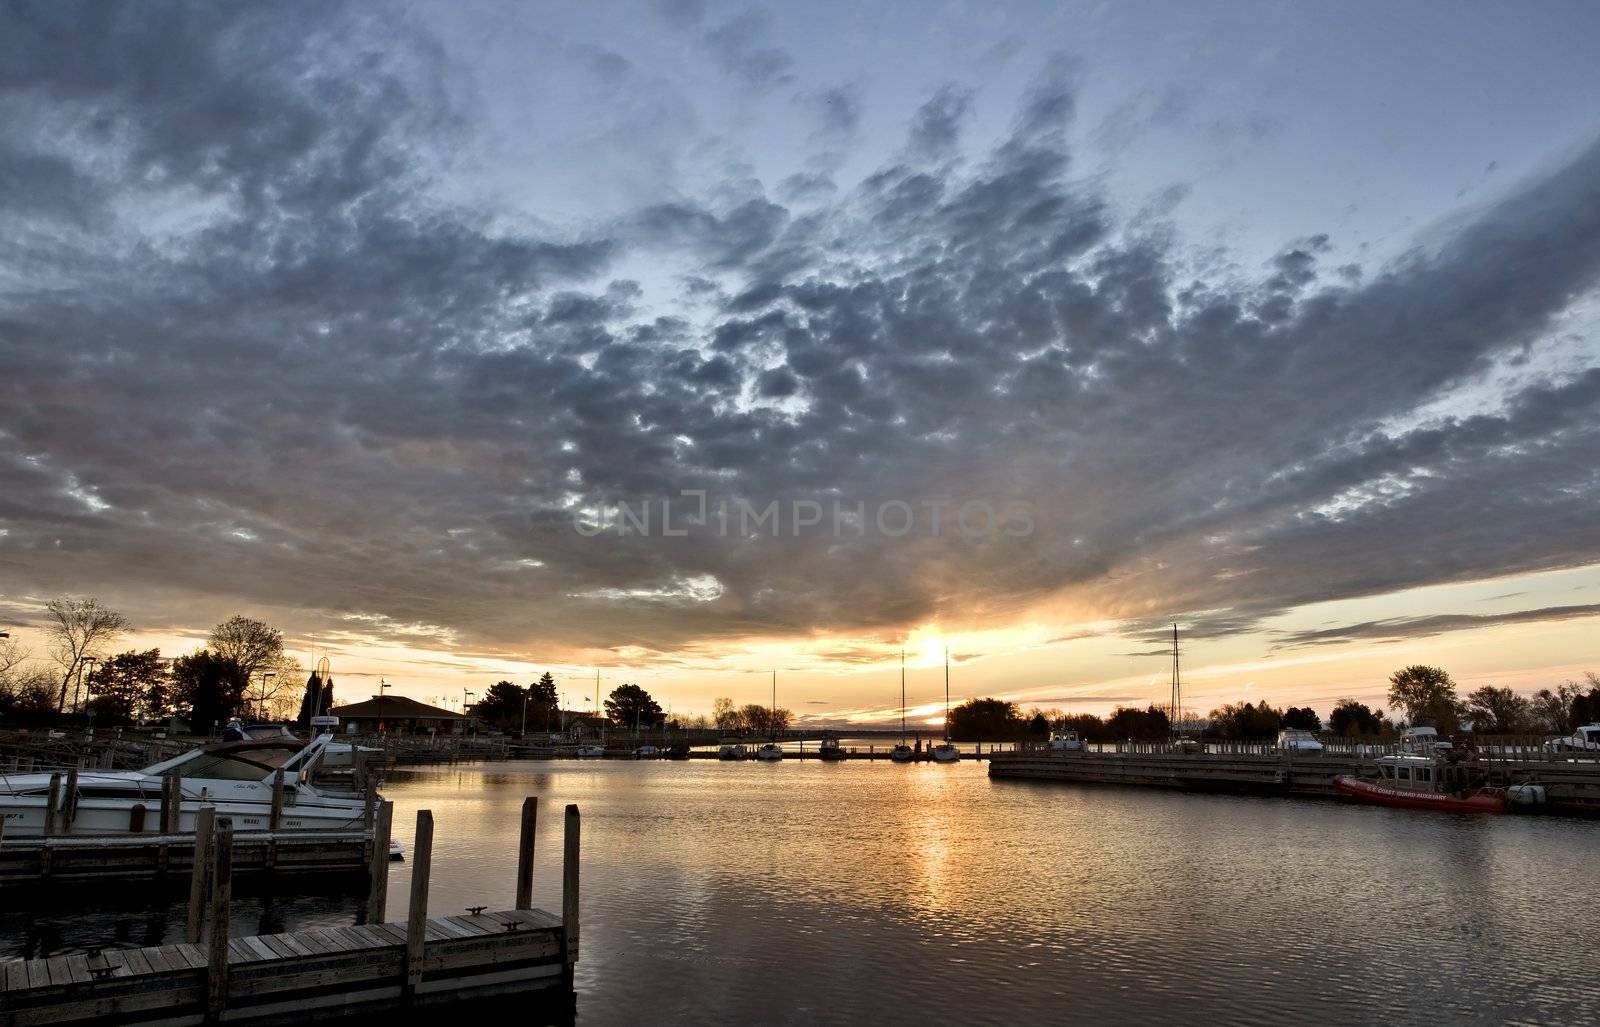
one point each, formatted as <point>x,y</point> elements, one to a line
<point>732,751</point>
<point>770,752</point>
<point>234,778</point>
<point>646,752</point>
<point>1065,741</point>
<point>591,752</point>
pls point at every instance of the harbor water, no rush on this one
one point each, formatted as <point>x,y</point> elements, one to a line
<point>805,892</point>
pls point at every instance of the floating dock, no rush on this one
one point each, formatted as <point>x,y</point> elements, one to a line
<point>293,977</point>
<point>366,970</point>
<point>1571,787</point>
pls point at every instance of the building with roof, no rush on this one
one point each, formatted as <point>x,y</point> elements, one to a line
<point>395,714</point>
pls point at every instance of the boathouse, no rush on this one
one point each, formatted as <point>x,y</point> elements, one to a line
<point>395,714</point>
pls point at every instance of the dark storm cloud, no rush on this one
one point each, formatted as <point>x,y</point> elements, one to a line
<point>1398,628</point>
<point>250,354</point>
<point>740,48</point>
<point>936,128</point>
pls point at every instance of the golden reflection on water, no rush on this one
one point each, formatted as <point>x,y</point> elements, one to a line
<point>794,891</point>
<point>818,893</point>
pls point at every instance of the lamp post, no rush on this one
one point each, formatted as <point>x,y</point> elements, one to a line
<point>525,693</point>
<point>80,692</point>
<point>382,684</point>
<point>261,701</point>
<point>466,701</point>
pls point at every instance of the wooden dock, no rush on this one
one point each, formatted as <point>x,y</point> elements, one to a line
<point>280,978</point>
<point>154,856</point>
<point>1571,787</point>
<point>365,970</point>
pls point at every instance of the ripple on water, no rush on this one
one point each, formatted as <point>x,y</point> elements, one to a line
<point>806,892</point>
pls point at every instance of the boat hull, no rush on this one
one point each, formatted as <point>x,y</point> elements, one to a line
<point>1370,791</point>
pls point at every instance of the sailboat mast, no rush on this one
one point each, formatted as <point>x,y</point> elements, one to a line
<point>902,697</point>
<point>947,695</point>
<point>772,713</point>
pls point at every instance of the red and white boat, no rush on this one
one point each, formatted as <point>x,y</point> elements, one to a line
<point>1425,782</point>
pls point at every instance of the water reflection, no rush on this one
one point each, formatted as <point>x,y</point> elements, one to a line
<point>844,892</point>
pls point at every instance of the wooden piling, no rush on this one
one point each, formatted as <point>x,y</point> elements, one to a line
<point>200,870</point>
<point>530,821</point>
<point>69,807</point>
<point>378,864</point>
<point>276,819</point>
<point>217,947</point>
<point>569,884</point>
<point>417,918</point>
<point>51,802</point>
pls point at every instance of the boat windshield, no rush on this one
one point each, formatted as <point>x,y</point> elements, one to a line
<point>226,766</point>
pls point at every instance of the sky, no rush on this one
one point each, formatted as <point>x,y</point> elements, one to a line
<point>687,341</point>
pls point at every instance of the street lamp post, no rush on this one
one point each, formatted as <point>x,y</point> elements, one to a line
<point>80,692</point>
<point>382,684</point>
<point>525,693</point>
<point>466,701</point>
<point>261,702</point>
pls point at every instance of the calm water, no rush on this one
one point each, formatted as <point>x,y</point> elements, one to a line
<point>812,892</point>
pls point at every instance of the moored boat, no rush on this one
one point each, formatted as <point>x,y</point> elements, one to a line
<point>771,752</point>
<point>831,750</point>
<point>591,752</point>
<point>235,778</point>
<point>1425,782</point>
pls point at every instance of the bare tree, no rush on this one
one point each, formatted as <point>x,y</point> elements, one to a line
<point>276,697</point>
<point>253,646</point>
<point>77,628</point>
<point>12,655</point>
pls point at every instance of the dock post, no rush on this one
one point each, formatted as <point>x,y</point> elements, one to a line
<point>569,888</point>
<point>378,865</point>
<point>69,805</point>
<point>217,949</point>
<point>51,802</point>
<point>276,819</point>
<point>200,870</point>
<point>530,820</point>
<point>417,916</point>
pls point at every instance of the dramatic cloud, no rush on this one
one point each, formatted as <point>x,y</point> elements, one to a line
<point>254,346</point>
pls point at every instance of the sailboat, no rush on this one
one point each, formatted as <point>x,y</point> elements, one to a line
<point>902,753</point>
<point>945,752</point>
<point>772,751</point>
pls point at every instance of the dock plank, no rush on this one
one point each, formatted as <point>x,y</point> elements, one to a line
<point>134,960</point>
<point>329,939</point>
<point>57,968</point>
<point>394,932</point>
<point>308,941</point>
<point>38,974</point>
<point>259,948</point>
<point>157,961</point>
<point>16,974</point>
<point>460,924</point>
<point>194,955</point>
<point>277,945</point>
<point>78,968</point>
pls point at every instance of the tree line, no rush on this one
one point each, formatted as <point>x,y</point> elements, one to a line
<point>1419,695</point>
<point>241,670</point>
